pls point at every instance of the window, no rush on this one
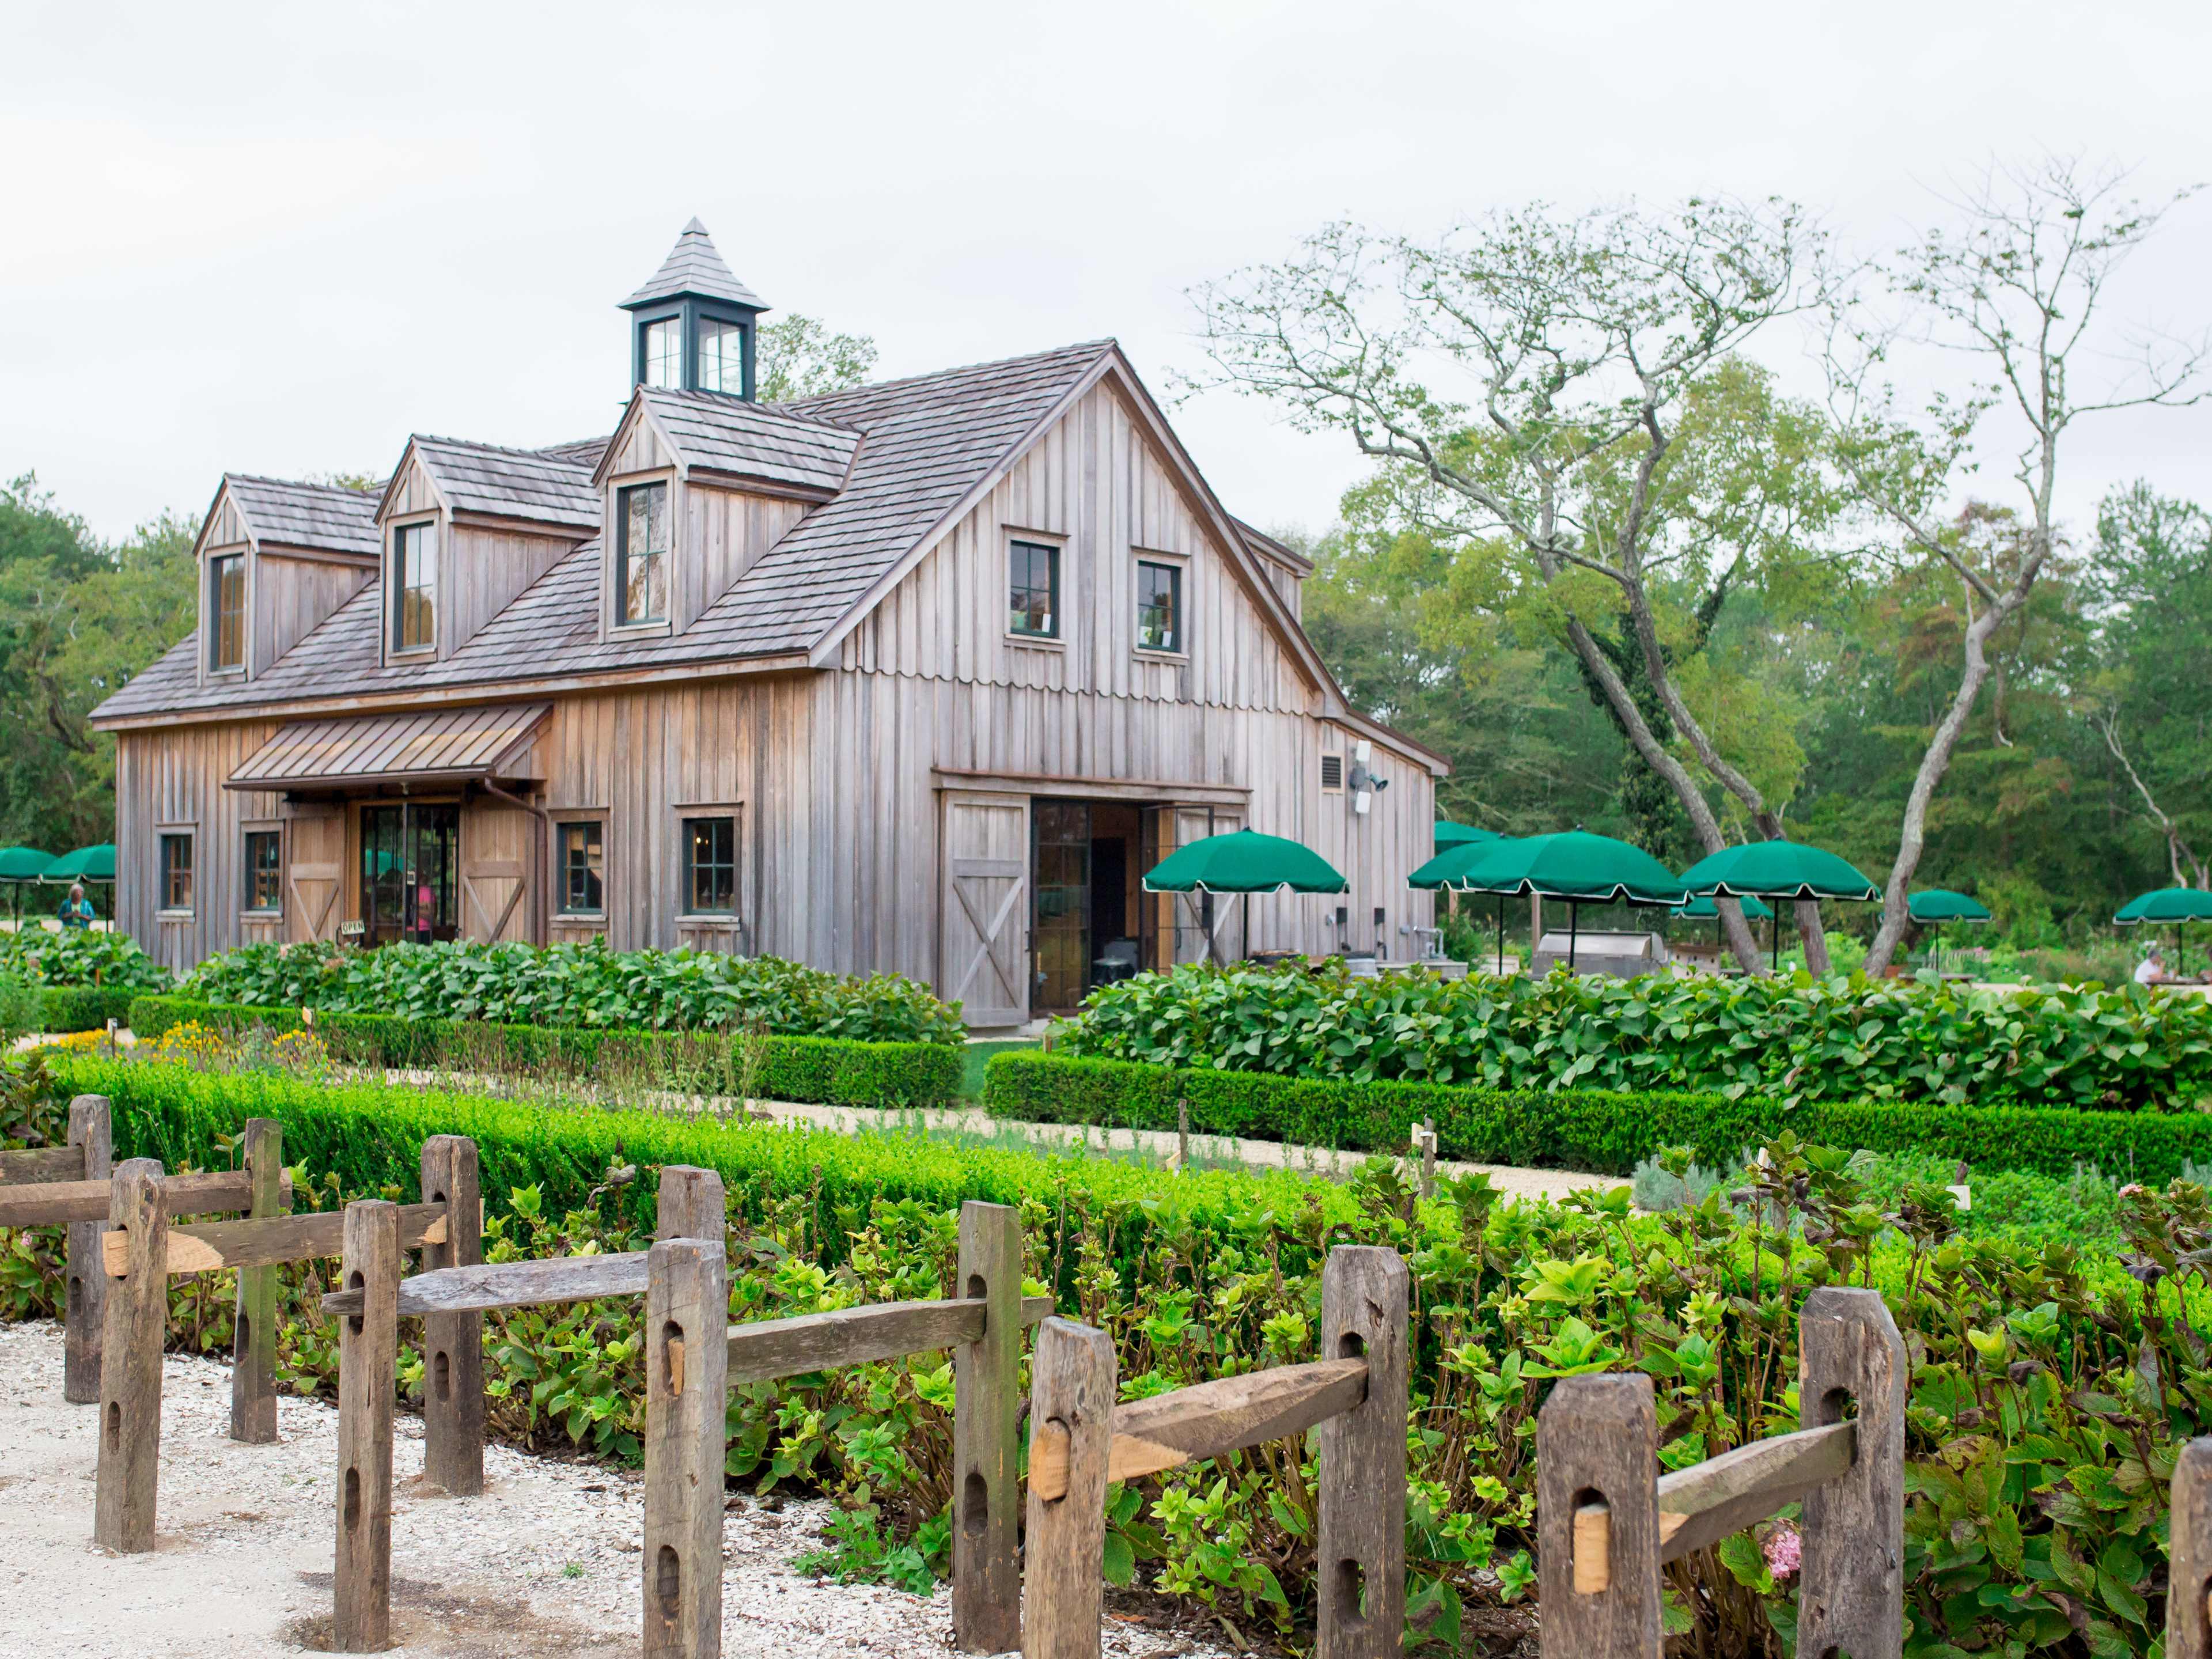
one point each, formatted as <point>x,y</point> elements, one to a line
<point>1332,774</point>
<point>415,566</point>
<point>176,873</point>
<point>721,357</point>
<point>227,592</point>
<point>641,555</point>
<point>264,870</point>
<point>664,352</point>
<point>1033,590</point>
<point>583,869</point>
<point>710,867</point>
<point>1159,606</point>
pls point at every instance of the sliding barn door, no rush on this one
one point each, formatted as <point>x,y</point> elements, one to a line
<point>314,874</point>
<point>984,955</point>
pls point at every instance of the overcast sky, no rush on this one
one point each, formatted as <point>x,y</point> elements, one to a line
<point>277,239</point>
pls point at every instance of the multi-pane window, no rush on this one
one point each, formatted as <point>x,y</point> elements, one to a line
<point>415,570</point>
<point>1159,606</point>
<point>176,873</point>
<point>1033,589</point>
<point>264,870</point>
<point>721,357</point>
<point>227,595</point>
<point>710,867</point>
<point>664,352</point>
<point>583,869</point>
<point>641,555</point>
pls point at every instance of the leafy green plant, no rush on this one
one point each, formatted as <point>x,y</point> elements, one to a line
<point>81,957</point>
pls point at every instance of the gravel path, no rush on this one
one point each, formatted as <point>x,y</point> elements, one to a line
<point>545,1563</point>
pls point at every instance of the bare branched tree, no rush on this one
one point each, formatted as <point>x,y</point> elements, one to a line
<point>2016,286</point>
<point>1524,377</point>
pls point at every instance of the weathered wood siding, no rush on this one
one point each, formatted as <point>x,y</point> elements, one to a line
<point>289,596</point>
<point>483,570</point>
<point>169,782</point>
<point>723,532</point>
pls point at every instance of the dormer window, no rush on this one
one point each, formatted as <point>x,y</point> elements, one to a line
<point>226,609</point>
<point>721,357</point>
<point>415,586</point>
<point>664,352</point>
<point>642,543</point>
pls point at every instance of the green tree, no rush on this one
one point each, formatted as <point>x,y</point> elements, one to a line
<point>798,357</point>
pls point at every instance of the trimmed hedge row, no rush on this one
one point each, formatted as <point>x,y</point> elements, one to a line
<point>1602,1131</point>
<point>83,1008</point>
<point>831,1070</point>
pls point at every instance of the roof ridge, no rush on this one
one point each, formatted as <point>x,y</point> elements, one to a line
<point>730,401</point>
<point>1095,348</point>
<point>345,490</point>
<point>497,449</point>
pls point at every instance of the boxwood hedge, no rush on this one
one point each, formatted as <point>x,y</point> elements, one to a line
<point>819,1070</point>
<point>1604,1131</point>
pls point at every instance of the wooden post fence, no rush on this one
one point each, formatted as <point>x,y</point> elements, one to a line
<point>131,1370</point>
<point>2189,1555</point>
<point>452,1343</point>
<point>987,1583</point>
<point>253,1350</point>
<point>369,1348</point>
<point>686,1304</point>
<point>1608,1521</point>
<point>1356,1396</point>
<point>68,1183</point>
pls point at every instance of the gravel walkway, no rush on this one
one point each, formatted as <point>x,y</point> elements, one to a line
<point>545,1563</point>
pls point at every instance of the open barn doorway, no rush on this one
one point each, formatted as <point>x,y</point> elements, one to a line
<point>1092,922</point>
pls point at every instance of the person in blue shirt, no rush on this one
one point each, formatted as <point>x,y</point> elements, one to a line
<point>76,909</point>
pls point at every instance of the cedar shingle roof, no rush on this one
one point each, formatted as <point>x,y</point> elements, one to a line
<point>292,515</point>
<point>727,435</point>
<point>693,267</point>
<point>514,484</point>
<point>925,443</point>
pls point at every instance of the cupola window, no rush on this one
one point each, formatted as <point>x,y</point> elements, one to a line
<point>641,555</point>
<point>721,357</point>
<point>664,352</point>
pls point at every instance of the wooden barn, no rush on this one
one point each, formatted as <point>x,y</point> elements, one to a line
<point>919,677</point>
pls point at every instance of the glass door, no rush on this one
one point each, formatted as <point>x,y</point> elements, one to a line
<point>410,873</point>
<point>1061,860</point>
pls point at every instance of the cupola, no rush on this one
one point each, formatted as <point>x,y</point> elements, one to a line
<point>692,325</point>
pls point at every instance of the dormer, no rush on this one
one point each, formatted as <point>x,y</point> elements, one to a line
<point>691,326</point>
<point>464,528</point>
<point>695,487</point>
<point>276,558</point>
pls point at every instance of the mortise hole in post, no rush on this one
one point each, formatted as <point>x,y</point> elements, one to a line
<point>441,1374</point>
<point>1837,1406</point>
<point>356,1322</point>
<point>671,1358</point>
<point>1352,1346</point>
<point>1589,1542</point>
<point>115,1426</point>
<point>352,1499</point>
<point>977,1290</point>
<point>667,1582</point>
<point>975,1504</point>
<point>1351,1586</point>
<point>245,1333</point>
<point>76,1296</point>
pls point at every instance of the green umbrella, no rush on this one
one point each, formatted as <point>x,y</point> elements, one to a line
<point>86,863</point>
<point>1777,869</point>
<point>2178,905</point>
<point>23,863</point>
<point>1573,865</point>
<point>1244,861</point>
<point>1703,909</point>
<point>1942,904</point>
<point>1451,835</point>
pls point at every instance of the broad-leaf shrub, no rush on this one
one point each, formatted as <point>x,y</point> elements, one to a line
<point>579,985</point>
<point>79,957</point>
<point>1796,1039</point>
<point>2050,1392</point>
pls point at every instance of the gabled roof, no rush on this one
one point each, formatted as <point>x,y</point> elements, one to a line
<point>578,452</point>
<point>710,432</point>
<point>511,483</point>
<point>325,517</point>
<point>693,267</point>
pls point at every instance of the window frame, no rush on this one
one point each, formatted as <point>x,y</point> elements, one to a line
<point>1019,541</point>
<point>562,823</point>
<point>673,322</point>
<point>248,831</point>
<point>165,835</point>
<point>217,565</point>
<point>687,914</point>
<point>1178,569</point>
<point>618,568</point>
<point>717,328</point>
<point>397,644</point>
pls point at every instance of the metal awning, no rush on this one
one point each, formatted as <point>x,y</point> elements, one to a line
<point>365,752</point>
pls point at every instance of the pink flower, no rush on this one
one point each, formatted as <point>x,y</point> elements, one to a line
<point>1785,1550</point>
<point>2133,1189</point>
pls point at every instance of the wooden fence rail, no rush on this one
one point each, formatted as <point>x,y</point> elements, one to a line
<point>81,1167</point>
<point>1080,1441</point>
<point>1606,1521</point>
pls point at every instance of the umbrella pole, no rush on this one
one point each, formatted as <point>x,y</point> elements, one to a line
<point>1247,926</point>
<point>1574,916</point>
<point>1501,936</point>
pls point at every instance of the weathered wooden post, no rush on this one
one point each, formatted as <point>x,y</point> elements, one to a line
<point>1850,1596</point>
<point>1359,1551</point>
<point>369,1346</point>
<point>253,1349</point>
<point>137,1318</point>
<point>452,1343</point>
<point>1597,1520</point>
<point>85,1292</point>
<point>2189,1555</point>
<point>986,1584</point>
<point>1072,1426</point>
<point>686,1303</point>
<point>691,1204</point>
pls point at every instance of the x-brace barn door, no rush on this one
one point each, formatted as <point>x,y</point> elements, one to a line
<point>984,958</point>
